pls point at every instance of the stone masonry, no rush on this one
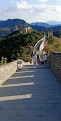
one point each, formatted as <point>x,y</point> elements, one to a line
<point>55,63</point>
<point>31,94</point>
<point>8,70</point>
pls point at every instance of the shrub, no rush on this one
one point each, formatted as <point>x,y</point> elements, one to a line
<point>51,39</point>
<point>3,60</point>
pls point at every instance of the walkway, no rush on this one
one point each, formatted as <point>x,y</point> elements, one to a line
<point>32,94</point>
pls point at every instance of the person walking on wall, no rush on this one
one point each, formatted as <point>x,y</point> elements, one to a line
<point>36,59</point>
<point>45,59</point>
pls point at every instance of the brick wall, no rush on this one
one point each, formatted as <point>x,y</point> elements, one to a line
<point>8,70</point>
<point>55,63</point>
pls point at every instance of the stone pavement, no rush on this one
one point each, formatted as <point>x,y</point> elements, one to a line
<point>32,94</point>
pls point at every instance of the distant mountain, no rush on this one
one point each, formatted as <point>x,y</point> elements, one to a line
<point>39,28</point>
<point>42,24</point>
<point>54,23</point>
<point>42,28</point>
<point>11,25</point>
<point>47,24</point>
<point>56,28</point>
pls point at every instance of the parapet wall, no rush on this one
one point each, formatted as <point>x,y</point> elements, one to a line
<point>8,70</point>
<point>55,63</point>
<point>39,45</point>
<point>42,45</point>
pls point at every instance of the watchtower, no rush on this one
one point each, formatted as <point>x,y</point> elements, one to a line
<point>47,33</point>
<point>28,29</point>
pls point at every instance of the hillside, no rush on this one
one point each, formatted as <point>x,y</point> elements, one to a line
<point>56,28</point>
<point>42,28</point>
<point>39,28</point>
<point>18,45</point>
<point>54,46</point>
<point>57,34</point>
<point>4,32</point>
<point>11,25</point>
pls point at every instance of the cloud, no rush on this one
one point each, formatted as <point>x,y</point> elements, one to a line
<point>58,0</point>
<point>40,12</point>
<point>43,0</point>
<point>32,12</point>
<point>23,5</point>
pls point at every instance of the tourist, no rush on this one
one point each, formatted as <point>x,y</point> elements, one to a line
<point>45,59</point>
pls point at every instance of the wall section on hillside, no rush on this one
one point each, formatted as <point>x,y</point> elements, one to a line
<point>39,45</point>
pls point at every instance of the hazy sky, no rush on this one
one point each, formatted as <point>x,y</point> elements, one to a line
<point>31,10</point>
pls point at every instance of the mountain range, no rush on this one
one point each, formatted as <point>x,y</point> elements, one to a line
<point>47,24</point>
<point>11,25</point>
<point>54,23</point>
<point>42,24</point>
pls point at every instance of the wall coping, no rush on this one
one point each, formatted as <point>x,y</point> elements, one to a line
<point>55,52</point>
<point>10,63</point>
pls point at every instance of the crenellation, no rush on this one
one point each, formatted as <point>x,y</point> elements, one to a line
<point>47,33</point>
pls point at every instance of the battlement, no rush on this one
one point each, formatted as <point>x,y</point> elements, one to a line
<point>47,33</point>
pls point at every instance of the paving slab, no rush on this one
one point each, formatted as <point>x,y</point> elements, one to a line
<point>31,94</point>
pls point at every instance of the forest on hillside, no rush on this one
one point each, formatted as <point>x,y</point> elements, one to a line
<point>57,34</point>
<point>17,45</point>
<point>53,45</point>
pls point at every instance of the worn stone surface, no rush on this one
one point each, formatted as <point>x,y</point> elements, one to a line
<point>55,63</point>
<point>31,94</point>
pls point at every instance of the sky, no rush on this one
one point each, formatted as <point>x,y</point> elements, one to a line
<point>31,10</point>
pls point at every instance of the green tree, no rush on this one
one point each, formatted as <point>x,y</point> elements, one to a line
<point>51,39</point>
<point>2,60</point>
<point>5,60</point>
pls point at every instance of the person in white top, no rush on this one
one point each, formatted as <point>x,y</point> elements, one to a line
<point>35,59</point>
<point>45,59</point>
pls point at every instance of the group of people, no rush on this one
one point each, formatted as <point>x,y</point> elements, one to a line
<point>43,59</point>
